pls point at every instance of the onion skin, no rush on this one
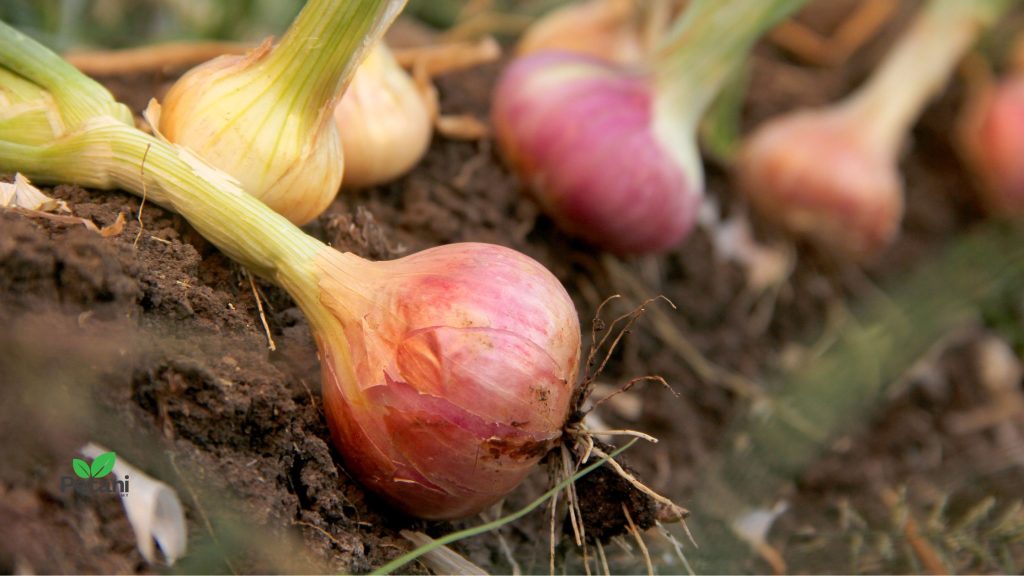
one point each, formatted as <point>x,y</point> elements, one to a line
<point>992,142</point>
<point>462,363</point>
<point>812,173</point>
<point>266,118</point>
<point>447,374</point>
<point>603,29</point>
<point>384,123</point>
<point>294,168</point>
<point>832,175</point>
<point>580,133</point>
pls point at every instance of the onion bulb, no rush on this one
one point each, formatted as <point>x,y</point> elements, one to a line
<point>832,175</point>
<point>992,145</point>
<point>265,117</point>
<point>446,374</point>
<point>609,150</point>
<point>462,363</point>
<point>384,121</point>
<point>604,29</point>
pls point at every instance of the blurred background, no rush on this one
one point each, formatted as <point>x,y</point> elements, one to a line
<point>838,517</point>
<point>64,24</point>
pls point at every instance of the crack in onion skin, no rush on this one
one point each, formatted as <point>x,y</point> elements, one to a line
<point>462,362</point>
<point>811,173</point>
<point>580,133</point>
<point>992,143</point>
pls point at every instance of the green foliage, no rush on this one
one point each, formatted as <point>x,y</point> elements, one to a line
<point>972,539</point>
<point>838,391</point>
<point>447,13</point>
<point>720,130</point>
<point>63,24</point>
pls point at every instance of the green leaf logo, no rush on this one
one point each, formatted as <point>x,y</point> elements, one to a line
<point>101,466</point>
<point>81,468</point>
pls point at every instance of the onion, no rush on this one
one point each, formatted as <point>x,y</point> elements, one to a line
<point>610,150</point>
<point>832,175</point>
<point>604,29</point>
<point>31,112</point>
<point>384,122</point>
<point>463,360</point>
<point>992,145</point>
<point>265,117</point>
<point>447,374</point>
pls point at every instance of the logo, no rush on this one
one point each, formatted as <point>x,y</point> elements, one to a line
<point>101,466</point>
<point>95,478</point>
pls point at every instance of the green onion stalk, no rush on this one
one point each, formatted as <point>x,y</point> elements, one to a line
<point>27,109</point>
<point>609,149</point>
<point>446,374</point>
<point>267,117</point>
<point>77,96</point>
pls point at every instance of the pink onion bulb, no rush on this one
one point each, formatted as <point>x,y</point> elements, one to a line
<point>814,174</point>
<point>580,132</point>
<point>446,374</point>
<point>462,363</point>
<point>992,143</point>
<point>610,150</point>
<point>832,175</point>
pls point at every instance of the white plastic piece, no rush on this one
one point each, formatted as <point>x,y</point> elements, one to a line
<point>153,509</point>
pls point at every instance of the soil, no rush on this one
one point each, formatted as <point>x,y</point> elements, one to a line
<point>151,341</point>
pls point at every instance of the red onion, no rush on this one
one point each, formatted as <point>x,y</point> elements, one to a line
<point>609,149</point>
<point>463,360</point>
<point>832,175</point>
<point>447,374</point>
<point>992,143</point>
<point>580,130</point>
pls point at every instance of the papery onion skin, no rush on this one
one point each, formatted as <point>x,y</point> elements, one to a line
<point>384,122</point>
<point>811,173</point>
<point>993,145</point>
<point>463,361</point>
<point>580,133</point>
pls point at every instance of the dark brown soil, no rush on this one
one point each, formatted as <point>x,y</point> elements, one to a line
<point>151,341</point>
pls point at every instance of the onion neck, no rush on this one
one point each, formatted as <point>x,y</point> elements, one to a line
<point>885,108</point>
<point>319,54</point>
<point>108,154</point>
<point>78,96</point>
<point>27,110</point>
<point>105,151</point>
<point>707,44</point>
